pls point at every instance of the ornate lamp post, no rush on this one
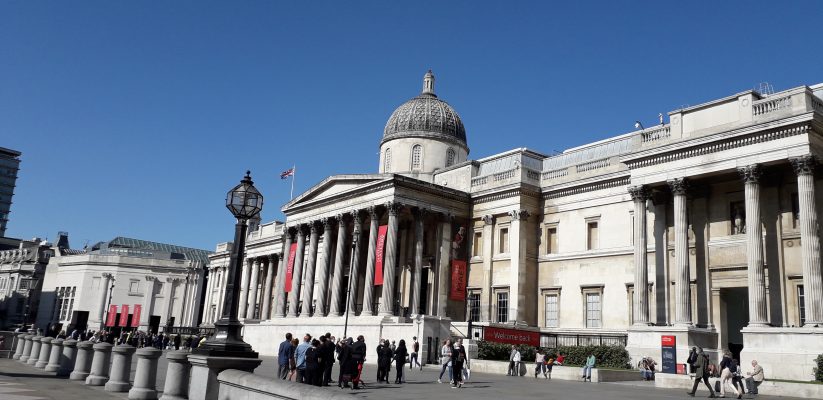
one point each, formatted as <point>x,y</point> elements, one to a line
<point>245,202</point>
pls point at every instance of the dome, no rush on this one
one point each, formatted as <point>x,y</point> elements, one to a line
<point>426,116</point>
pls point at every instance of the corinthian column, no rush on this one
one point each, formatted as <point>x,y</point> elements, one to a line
<point>104,290</point>
<point>297,274</point>
<point>754,247</point>
<point>148,296</point>
<point>387,301</point>
<point>339,259</point>
<point>325,259</point>
<point>368,292</point>
<point>682,306</point>
<point>355,267</point>
<point>419,215</point>
<point>280,285</point>
<point>640,305</point>
<point>809,240</point>
<point>308,293</point>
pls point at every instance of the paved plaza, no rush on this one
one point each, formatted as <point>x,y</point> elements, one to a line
<point>23,382</point>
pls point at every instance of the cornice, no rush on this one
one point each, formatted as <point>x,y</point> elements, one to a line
<point>527,191</point>
<point>587,187</point>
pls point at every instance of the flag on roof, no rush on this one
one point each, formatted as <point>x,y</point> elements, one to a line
<point>287,173</point>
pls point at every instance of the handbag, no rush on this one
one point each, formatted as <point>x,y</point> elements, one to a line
<point>467,373</point>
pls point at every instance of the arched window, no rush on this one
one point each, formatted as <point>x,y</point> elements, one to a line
<point>417,157</point>
<point>450,157</point>
<point>387,161</point>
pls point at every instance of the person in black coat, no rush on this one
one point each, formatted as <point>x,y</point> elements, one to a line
<point>459,358</point>
<point>328,357</point>
<point>400,360</point>
<point>344,356</point>
<point>358,356</point>
<point>384,356</point>
<point>313,371</point>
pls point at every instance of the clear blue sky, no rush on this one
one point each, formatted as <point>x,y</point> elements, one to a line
<point>135,118</point>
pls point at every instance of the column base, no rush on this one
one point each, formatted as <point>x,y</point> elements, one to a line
<point>117,386</point>
<point>96,380</point>
<point>204,371</point>
<point>78,376</point>
<point>786,353</point>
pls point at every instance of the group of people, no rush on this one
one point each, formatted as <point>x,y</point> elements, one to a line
<point>455,359</point>
<point>728,371</point>
<point>544,360</point>
<point>311,360</point>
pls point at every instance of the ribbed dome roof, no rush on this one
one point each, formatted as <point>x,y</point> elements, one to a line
<point>426,116</point>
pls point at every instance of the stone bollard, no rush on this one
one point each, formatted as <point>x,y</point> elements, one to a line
<point>100,365</point>
<point>177,376</point>
<point>120,368</point>
<point>83,362</point>
<point>35,350</point>
<point>26,348</point>
<point>54,357</point>
<point>145,380</point>
<point>68,357</point>
<point>45,352</point>
<point>21,343</point>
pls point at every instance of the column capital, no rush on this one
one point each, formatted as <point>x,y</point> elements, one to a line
<point>327,223</point>
<point>108,275</point>
<point>313,228</point>
<point>639,193</point>
<point>420,212</point>
<point>393,207</point>
<point>488,219</point>
<point>750,173</point>
<point>150,278</point>
<point>355,216</point>
<point>679,186</point>
<point>804,165</point>
<point>521,214</point>
<point>289,231</point>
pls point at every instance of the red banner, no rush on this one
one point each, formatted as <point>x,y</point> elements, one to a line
<point>459,277</point>
<point>378,252</point>
<point>124,315</point>
<point>135,318</point>
<point>667,340</point>
<point>290,267</point>
<point>511,336</point>
<point>112,315</point>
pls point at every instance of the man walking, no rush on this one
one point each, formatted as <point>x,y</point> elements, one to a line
<point>284,354</point>
<point>300,358</point>
<point>328,358</point>
<point>514,362</point>
<point>415,351</point>
<point>701,373</point>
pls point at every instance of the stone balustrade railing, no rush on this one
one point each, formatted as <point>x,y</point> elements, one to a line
<point>656,133</point>
<point>771,104</point>
<point>596,164</point>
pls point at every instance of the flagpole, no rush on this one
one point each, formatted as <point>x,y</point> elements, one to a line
<point>293,173</point>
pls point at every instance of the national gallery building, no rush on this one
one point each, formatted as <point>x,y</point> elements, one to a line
<point>703,228</point>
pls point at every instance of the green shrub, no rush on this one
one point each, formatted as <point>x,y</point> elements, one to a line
<point>818,371</point>
<point>607,356</point>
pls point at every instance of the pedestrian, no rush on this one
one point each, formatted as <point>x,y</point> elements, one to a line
<point>293,360</point>
<point>539,363</point>
<point>415,350</point>
<point>344,356</point>
<point>737,378</point>
<point>646,367</point>
<point>692,359</point>
<point>284,354</point>
<point>300,358</point>
<point>701,373</point>
<point>754,378</point>
<point>549,363</point>
<point>514,362</point>
<point>384,356</point>
<point>727,370</point>
<point>400,360</point>
<point>459,360</point>
<point>446,360</point>
<point>393,347</point>
<point>587,369</point>
<point>328,358</point>
<point>313,375</point>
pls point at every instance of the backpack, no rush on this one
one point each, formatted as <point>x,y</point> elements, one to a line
<point>692,358</point>
<point>461,356</point>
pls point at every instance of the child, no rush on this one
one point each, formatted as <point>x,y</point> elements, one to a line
<point>547,367</point>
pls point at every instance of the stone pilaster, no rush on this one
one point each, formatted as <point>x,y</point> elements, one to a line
<point>104,294</point>
<point>168,295</point>
<point>265,312</point>
<point>758,315</point>
<point>207,313</point>
<point>387,301</point>
<point>280,285</point>
<point>244,288</point>
<point>809,240</point>
<point>325,260</point>
<point>443,267</point>
<point>297,274</point>
<point>339,259</point>
<point>221,300</point>
<point>640,303</point>
<point>254,282</point>
<point>148,297</point>
<point>518,277</point>
<point>371,259</point>
<point>311,267</point>
<point>357,235</point>
<point>419,219</point>
<point>682,306</point>
<point>486,300</point>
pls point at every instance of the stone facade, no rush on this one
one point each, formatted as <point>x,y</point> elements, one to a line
<point>21,275</point>
<point>703,228</point>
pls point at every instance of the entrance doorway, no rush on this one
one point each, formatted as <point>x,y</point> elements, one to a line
<point>735,307</point>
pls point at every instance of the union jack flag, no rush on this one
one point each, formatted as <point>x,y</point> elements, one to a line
<point>287,173</point>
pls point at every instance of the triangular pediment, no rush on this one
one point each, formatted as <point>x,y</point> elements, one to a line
<point>334,186</point>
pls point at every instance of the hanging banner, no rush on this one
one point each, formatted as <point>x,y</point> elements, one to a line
<point>378,252</point>
<point>110,318</point>
<point>124,316</point>
<point>290,267</point>
<point>135,319</point>
<point>458,289</point>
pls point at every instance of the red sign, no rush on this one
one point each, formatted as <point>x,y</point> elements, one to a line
<point>668,341</point>
<point>458,289</point>
<point>135,318</point>
<point>378,252</point>
<point>511,336</point>
<point>124,315</point>
<point>290,267</point>
<point>112,315</point>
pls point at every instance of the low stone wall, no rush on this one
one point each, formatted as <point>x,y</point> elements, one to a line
<point>240,385</point>
<point>772,388</point>
<point>558,372</point>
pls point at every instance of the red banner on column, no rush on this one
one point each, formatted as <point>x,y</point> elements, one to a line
<point>135,319</point>
<point>112,315</point>
<point>458,289</point>
<point>290,267</point>
<point>124,316</point>
<point>378,252</point>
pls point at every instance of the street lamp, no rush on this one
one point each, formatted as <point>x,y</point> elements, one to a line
<point>245,202</point>
<point>32,285</point>
<point>348,289</point>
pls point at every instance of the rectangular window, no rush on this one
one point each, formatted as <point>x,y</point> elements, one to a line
<point>551,240</point>
<point>503,244</point>
<point>474,307</point>
<point>593,310</point>
<point>592,236</point>
<point>801,304</point>
<point>95,282</point>
<point>477,244</point>
<point>503,307</point>
<point>795,210</point>
<point>24,284</point>
<point>134,286</point>
<point>551,311</point>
